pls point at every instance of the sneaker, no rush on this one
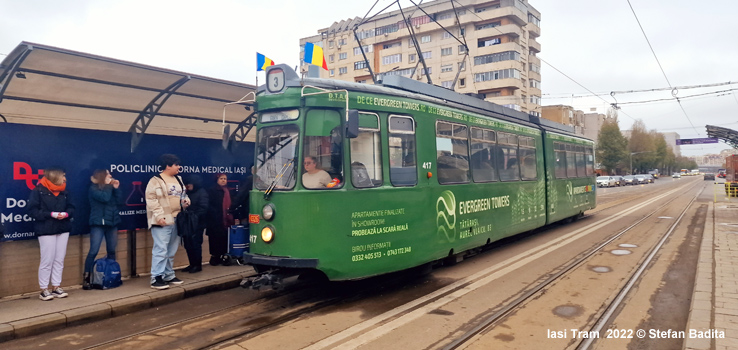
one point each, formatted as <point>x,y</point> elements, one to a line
<point>59,293</point>
<point>46,295</point>
<point>175,281</point>
<point>159,283</point>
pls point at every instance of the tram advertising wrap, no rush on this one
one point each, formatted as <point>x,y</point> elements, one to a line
<point>27,149</point>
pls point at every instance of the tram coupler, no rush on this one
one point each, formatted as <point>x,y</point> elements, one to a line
<point>263,280</point>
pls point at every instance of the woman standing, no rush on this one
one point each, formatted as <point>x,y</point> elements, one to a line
<point>104,197</point>
<point>219,219</point>
<point>199,206</point>
<point>52,209</point>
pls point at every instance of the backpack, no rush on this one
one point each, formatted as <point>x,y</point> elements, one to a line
<point>105,274</point>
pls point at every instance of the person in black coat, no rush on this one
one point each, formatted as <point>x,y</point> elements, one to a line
<point>52,209</point>
<point>199,205</point>
<point>219,219</point>
<point>240,206</point>
<point>104,195</point>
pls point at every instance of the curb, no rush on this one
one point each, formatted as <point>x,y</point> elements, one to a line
<point>700,311</point>
<point>74,317</point>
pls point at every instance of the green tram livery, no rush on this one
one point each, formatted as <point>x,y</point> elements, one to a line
<point>409,174</point>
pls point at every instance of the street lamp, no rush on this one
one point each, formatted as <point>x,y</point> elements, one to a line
<point>631,159</point>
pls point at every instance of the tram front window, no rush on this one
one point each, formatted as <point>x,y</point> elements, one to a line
<point>276,160</point>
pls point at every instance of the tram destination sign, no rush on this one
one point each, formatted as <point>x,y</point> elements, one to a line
<point>696,141</point>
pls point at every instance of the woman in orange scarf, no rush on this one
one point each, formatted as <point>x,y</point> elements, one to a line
<point>52,210</point>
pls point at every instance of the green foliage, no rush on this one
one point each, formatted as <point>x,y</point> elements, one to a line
<point>611,146</point>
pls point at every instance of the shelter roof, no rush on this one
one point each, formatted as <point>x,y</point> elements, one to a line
<point>730,136</point>
<point>46,85</point>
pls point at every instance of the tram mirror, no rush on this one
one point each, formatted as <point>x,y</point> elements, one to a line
<point>352,124</point>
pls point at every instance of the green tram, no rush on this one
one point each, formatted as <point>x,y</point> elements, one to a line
<point>400,174</point>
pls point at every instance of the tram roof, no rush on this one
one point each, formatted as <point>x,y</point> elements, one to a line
<point>399,86</point>
<point>45,85</point>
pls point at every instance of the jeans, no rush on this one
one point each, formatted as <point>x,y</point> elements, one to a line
<point>166,242</point>
<point>96,235</point>
<point>53,251</point>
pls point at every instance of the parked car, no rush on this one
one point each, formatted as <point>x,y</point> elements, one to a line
<point>676,175</point>
<point>641,179</point>
<point>630,180</point>
<point>620,180</point>
<point>606,181</point>
<point>650,178</point>
<point>709,176</point>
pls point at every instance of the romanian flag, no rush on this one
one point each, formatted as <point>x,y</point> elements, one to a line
<point>314,55</point>
<point>262,62</point>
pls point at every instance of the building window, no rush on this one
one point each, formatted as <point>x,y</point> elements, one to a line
<point>445,15</point>
<point>427,55</point>
<point>404,72</point>
<point>330,58</point>
<point>535,84</point>
<point>447,51</point>
<point>498,74</point>
<point>424,71</point>
<point>330,44</point>
<point>367,49</point>
<point>365,34</point>
<point>342,70</point>
<point>534,19</point>
<point>411,57</point>
<point>448,84</point>
<point>462,31</point>
<point>488,42</point>
<point>342,42</point>
<point>534,68</point>
<point>497,57</point>
<point>333,72</point>
<point>387,29</point>
<point>396,58</point>
<point>447,68</point>
<point>342,56</point>
<point>535,100</point>
<point>462,82</point>
<point>446,35</point>
<point>493,94</point>
<point>487,25</point>
<point>462,49</point>
<point>359,65</point>
<point>462,66</point>
<point>425,39</point>
<point>391,45</point>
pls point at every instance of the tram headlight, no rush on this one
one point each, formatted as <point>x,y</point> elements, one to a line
<point>267,234</point>
<point>267,212</point>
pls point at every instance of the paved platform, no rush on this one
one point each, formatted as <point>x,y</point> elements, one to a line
<point>26,315</point>
<point>715,298</point>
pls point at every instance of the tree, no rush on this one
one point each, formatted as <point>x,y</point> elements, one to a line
<point>642,148</point>
<point>611,145</point>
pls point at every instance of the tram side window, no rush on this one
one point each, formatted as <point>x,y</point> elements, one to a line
<point>323,144</point>
<point>366,153</point>
<point>589,158</point>
<point>483,155</point>
<point>508,161</point>
<point>560,154</point>
<point>527,153</point>
<point>452,153</point>
<point>403,168</point>
<point>581,164</point>
<point>571,164</point>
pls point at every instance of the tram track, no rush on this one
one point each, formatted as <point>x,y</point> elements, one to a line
<point>605,316</point>
<point>370,330</point>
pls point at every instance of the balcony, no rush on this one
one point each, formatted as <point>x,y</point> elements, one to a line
<point>511,12</point>
<point>511,46</point>
<point>498,84</point>
<point>533,30</point>
<point>507,29</point>
<point>534,45</point>
<point>534,75</point>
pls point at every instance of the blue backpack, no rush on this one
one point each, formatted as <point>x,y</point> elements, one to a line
<point>105,274</point>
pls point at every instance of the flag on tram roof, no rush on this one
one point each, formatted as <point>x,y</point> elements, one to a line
<point>262,62</point>
<point>314,55</point>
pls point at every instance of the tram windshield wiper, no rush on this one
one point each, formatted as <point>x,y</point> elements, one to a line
<point>279,176</point>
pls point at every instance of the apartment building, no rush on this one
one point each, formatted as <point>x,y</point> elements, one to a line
<point>488,48</point>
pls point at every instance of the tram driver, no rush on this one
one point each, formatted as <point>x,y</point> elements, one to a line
<point>314,177</point>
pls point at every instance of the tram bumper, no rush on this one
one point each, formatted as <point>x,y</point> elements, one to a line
<point>279,261</point>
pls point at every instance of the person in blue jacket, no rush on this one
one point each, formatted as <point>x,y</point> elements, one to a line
<point>104,197</point>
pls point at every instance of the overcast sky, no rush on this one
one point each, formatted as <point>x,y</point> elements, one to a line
<point>596,43</point>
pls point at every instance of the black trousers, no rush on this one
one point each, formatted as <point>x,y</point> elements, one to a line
<point>218,240</point>
<point>193,245</point>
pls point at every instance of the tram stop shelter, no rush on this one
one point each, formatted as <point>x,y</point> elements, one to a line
<point>45,85</point>
<point>730,136</point>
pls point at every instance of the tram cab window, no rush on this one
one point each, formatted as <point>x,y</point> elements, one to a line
<point>366,153</point>
<point>324,143</point>
<point>527,154</point>
<point>483,146</point>
<point>276,150</point>
<point>560,154</point>
<point>589,158</point>
<point>403,169</point>
<point>508,162</point>
<point>452,152</point>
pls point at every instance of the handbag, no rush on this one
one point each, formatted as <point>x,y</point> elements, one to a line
<point>186,222</point>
